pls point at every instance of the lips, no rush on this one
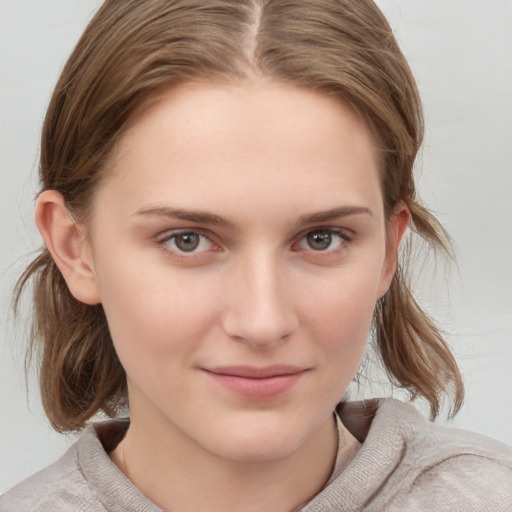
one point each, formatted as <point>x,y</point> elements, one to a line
<point>254,382</point>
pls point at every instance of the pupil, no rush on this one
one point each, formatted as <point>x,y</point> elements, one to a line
<point>187,242</point>
<point>319,241</point>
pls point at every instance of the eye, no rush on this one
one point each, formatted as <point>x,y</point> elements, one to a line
<point>187,242</point>
<point>323,240</point>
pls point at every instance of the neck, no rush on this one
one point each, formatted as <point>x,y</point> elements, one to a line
<point>177,474</point>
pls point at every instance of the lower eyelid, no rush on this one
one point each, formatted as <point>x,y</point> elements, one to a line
<point>344,236</point>
<point>170,235</point>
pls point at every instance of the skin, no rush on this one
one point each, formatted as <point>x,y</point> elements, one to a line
<point>266,285</point>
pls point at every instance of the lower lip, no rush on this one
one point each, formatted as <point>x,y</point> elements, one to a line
<point>258,389</point>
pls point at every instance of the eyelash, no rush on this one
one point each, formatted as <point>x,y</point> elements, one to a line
<point>344,235</point>
<point>172,236</point>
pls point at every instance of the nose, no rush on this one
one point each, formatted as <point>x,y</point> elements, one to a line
<point>260,309</point>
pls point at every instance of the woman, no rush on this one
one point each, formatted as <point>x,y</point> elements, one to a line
<point>225,189</point>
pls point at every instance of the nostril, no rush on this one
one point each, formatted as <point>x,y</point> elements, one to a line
<point>261,327</point>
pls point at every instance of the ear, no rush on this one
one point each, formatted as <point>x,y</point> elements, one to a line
<point>68,246</point>
<point>396,228</point>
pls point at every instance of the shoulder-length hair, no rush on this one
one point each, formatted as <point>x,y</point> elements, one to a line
<point>131,49</point>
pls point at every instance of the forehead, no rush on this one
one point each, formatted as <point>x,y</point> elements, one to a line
<point>266,141</point>
<point>204,108</point>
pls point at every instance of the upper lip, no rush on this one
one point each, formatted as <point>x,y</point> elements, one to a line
<point>254,372</point>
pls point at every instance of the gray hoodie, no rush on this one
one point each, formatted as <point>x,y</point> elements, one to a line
<point>405,463</point>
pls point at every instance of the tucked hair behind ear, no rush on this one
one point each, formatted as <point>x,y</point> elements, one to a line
<point>133,48</point>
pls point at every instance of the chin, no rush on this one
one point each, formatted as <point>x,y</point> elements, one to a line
<point>257,441</point>
<point>256,450</point>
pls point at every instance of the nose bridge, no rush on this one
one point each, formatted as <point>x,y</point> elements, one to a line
<point>260,310</point>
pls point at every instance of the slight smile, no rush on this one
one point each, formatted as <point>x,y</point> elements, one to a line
<point>257,383</point>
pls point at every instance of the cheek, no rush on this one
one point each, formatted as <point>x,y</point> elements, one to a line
<point>152,313</point>
<point>340,316</point>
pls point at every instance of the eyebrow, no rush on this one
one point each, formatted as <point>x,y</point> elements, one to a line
<point>202,217</point>
<point>198,216</point>
<point>333,214</point>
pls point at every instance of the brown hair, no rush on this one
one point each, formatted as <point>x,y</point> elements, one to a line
<point>132,48</point>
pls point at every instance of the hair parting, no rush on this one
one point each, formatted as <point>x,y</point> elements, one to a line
<point>130,51</point>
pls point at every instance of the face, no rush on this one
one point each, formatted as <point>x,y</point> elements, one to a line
<point>238,247</point>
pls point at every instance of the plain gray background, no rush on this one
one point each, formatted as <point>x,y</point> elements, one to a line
<point>461,53</point>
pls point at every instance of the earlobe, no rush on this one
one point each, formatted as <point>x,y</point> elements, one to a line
<point>396,230</point>
<point>67,244</point>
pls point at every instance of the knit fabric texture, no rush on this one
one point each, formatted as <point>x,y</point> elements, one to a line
<point>405,463</point>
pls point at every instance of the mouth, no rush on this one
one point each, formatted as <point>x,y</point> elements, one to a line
<point>257,383</point>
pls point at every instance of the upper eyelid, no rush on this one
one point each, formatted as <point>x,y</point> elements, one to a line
<point>347,238</point>
<point>333,229</point>
<point>162,243</point>
<point>170,233</point>
<point>345,233</point>
<point>208,233</point>
<point>164,237</point>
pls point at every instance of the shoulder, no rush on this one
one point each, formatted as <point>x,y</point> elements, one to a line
<point>83,479</point>
<point>467,481</point>
<point>446,468</point>
<point>409,463</point>
<point>59,487</point>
